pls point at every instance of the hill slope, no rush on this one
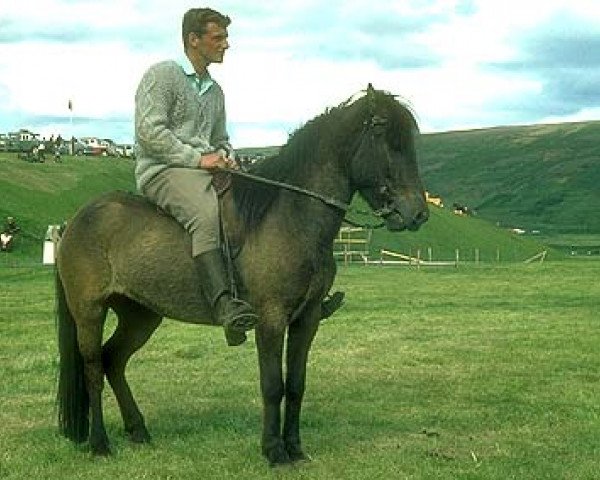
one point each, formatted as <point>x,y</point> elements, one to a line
<point>445,233</point>
<point>542,177</point>
<point>38,195</point>
<point>42,194</point>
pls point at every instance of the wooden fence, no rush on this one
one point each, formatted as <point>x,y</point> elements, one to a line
<point>352,244</point>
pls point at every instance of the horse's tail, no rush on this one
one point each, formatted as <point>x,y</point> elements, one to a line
<point>72,396</point>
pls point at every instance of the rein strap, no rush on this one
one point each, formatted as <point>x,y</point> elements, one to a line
<point>332,202</point>
<point>327,200</point>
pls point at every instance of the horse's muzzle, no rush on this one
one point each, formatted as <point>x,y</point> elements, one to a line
<point>395,221</point>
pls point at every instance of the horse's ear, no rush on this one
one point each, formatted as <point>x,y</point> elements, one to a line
<point>371,97</point>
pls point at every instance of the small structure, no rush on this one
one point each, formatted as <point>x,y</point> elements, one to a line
<point>434,200</point>
<point>459,209</point>
<point>50,242</point>
<point>353,243</point>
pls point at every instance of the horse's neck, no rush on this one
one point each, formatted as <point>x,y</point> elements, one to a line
<point>292,209</point>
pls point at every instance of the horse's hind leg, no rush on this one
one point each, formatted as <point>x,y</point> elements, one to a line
<point>136,325</point>
<point>89,338</point>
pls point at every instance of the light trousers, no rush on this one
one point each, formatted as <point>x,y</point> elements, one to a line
<point>188,196</point>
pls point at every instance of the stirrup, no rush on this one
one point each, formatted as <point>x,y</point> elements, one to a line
<point>240,317</point>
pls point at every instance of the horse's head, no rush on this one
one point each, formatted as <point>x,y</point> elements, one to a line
<point>384,161</point>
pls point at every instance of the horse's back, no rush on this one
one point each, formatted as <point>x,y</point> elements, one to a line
<point>120,243</point>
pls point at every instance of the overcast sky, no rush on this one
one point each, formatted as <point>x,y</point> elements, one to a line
<point>460,63</point>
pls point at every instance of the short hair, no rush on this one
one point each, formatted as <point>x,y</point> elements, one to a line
<point>196,19</point>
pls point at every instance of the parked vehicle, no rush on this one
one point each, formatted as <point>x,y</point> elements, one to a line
<point>126,150</point>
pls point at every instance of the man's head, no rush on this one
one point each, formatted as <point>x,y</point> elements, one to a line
<point>204,33</point>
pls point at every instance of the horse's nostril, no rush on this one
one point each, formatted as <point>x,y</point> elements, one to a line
<point>422,217</point>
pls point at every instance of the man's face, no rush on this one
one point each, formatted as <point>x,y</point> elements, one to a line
<point>211,45</point>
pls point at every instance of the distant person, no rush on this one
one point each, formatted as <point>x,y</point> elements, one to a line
<point>7,236</point>
<point>41,152</point>
<point>58,142</point>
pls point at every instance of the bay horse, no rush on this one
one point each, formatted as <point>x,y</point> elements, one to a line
<point>120,252</point>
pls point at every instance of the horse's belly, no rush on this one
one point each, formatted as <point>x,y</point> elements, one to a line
<point>171,289</point>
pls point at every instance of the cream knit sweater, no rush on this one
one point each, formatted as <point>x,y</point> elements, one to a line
<point>174,125</point>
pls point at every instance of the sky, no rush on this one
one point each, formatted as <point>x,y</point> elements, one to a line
<point>460,64</point>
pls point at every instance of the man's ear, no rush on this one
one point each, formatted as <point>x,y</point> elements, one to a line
<point>193,39</point>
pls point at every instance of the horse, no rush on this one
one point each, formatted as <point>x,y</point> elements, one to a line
<point>120,252</point>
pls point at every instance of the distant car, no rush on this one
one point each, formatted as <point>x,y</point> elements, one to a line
<point>126,150</point>
<point>65,148</point>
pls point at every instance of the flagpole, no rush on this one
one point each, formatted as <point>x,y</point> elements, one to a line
<point>71,142</point>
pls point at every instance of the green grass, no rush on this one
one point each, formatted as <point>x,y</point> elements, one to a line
<point>468,373</point>
<point>38,195</point>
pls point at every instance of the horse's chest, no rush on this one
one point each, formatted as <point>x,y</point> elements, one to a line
<point>288,276</point>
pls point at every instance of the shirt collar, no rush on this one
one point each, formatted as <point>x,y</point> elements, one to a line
<point>202,83</point>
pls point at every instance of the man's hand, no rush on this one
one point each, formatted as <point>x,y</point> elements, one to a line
<point>216,160</point>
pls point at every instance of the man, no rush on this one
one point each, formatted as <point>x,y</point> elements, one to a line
<point>7,236</point>
<point>180,138</point>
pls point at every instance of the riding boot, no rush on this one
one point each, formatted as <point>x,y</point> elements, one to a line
<point>331,303</point>
<point>234,314</point>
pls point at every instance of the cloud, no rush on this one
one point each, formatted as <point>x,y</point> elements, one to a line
<point>460,63</point>
<point>563,56</point>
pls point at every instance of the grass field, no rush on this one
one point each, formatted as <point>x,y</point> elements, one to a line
<point>468,373</point>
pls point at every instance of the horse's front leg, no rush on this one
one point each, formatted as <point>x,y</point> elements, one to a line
<point>300,336</point>
<point>269,341</point>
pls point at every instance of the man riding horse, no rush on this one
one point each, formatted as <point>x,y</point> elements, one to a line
<point>181,140</point>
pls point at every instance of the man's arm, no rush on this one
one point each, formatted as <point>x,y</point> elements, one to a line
<point>220,137</point>
<point>153,100</point>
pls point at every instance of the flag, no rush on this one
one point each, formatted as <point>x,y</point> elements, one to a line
<point>70,105</point>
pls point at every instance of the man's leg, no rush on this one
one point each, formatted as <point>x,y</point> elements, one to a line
<point>188,196</point>
<point>236,316</point>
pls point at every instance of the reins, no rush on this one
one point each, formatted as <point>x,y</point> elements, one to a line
<point>332,202</point>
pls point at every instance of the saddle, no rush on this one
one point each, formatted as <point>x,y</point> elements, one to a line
<point>221,182</point>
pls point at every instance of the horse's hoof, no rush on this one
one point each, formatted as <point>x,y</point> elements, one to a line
<point>277,456</point>
<point>100,450</point>
<point>139,435</point>
<point>296,454</point>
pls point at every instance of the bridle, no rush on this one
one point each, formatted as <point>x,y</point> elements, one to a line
<point>375,126</point>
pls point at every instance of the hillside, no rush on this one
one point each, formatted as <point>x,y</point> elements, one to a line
<point>445,233</point>
<point>540,177</point>
<point>42,194</point>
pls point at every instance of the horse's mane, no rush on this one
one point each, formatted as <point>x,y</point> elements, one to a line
<point>343,124</point>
